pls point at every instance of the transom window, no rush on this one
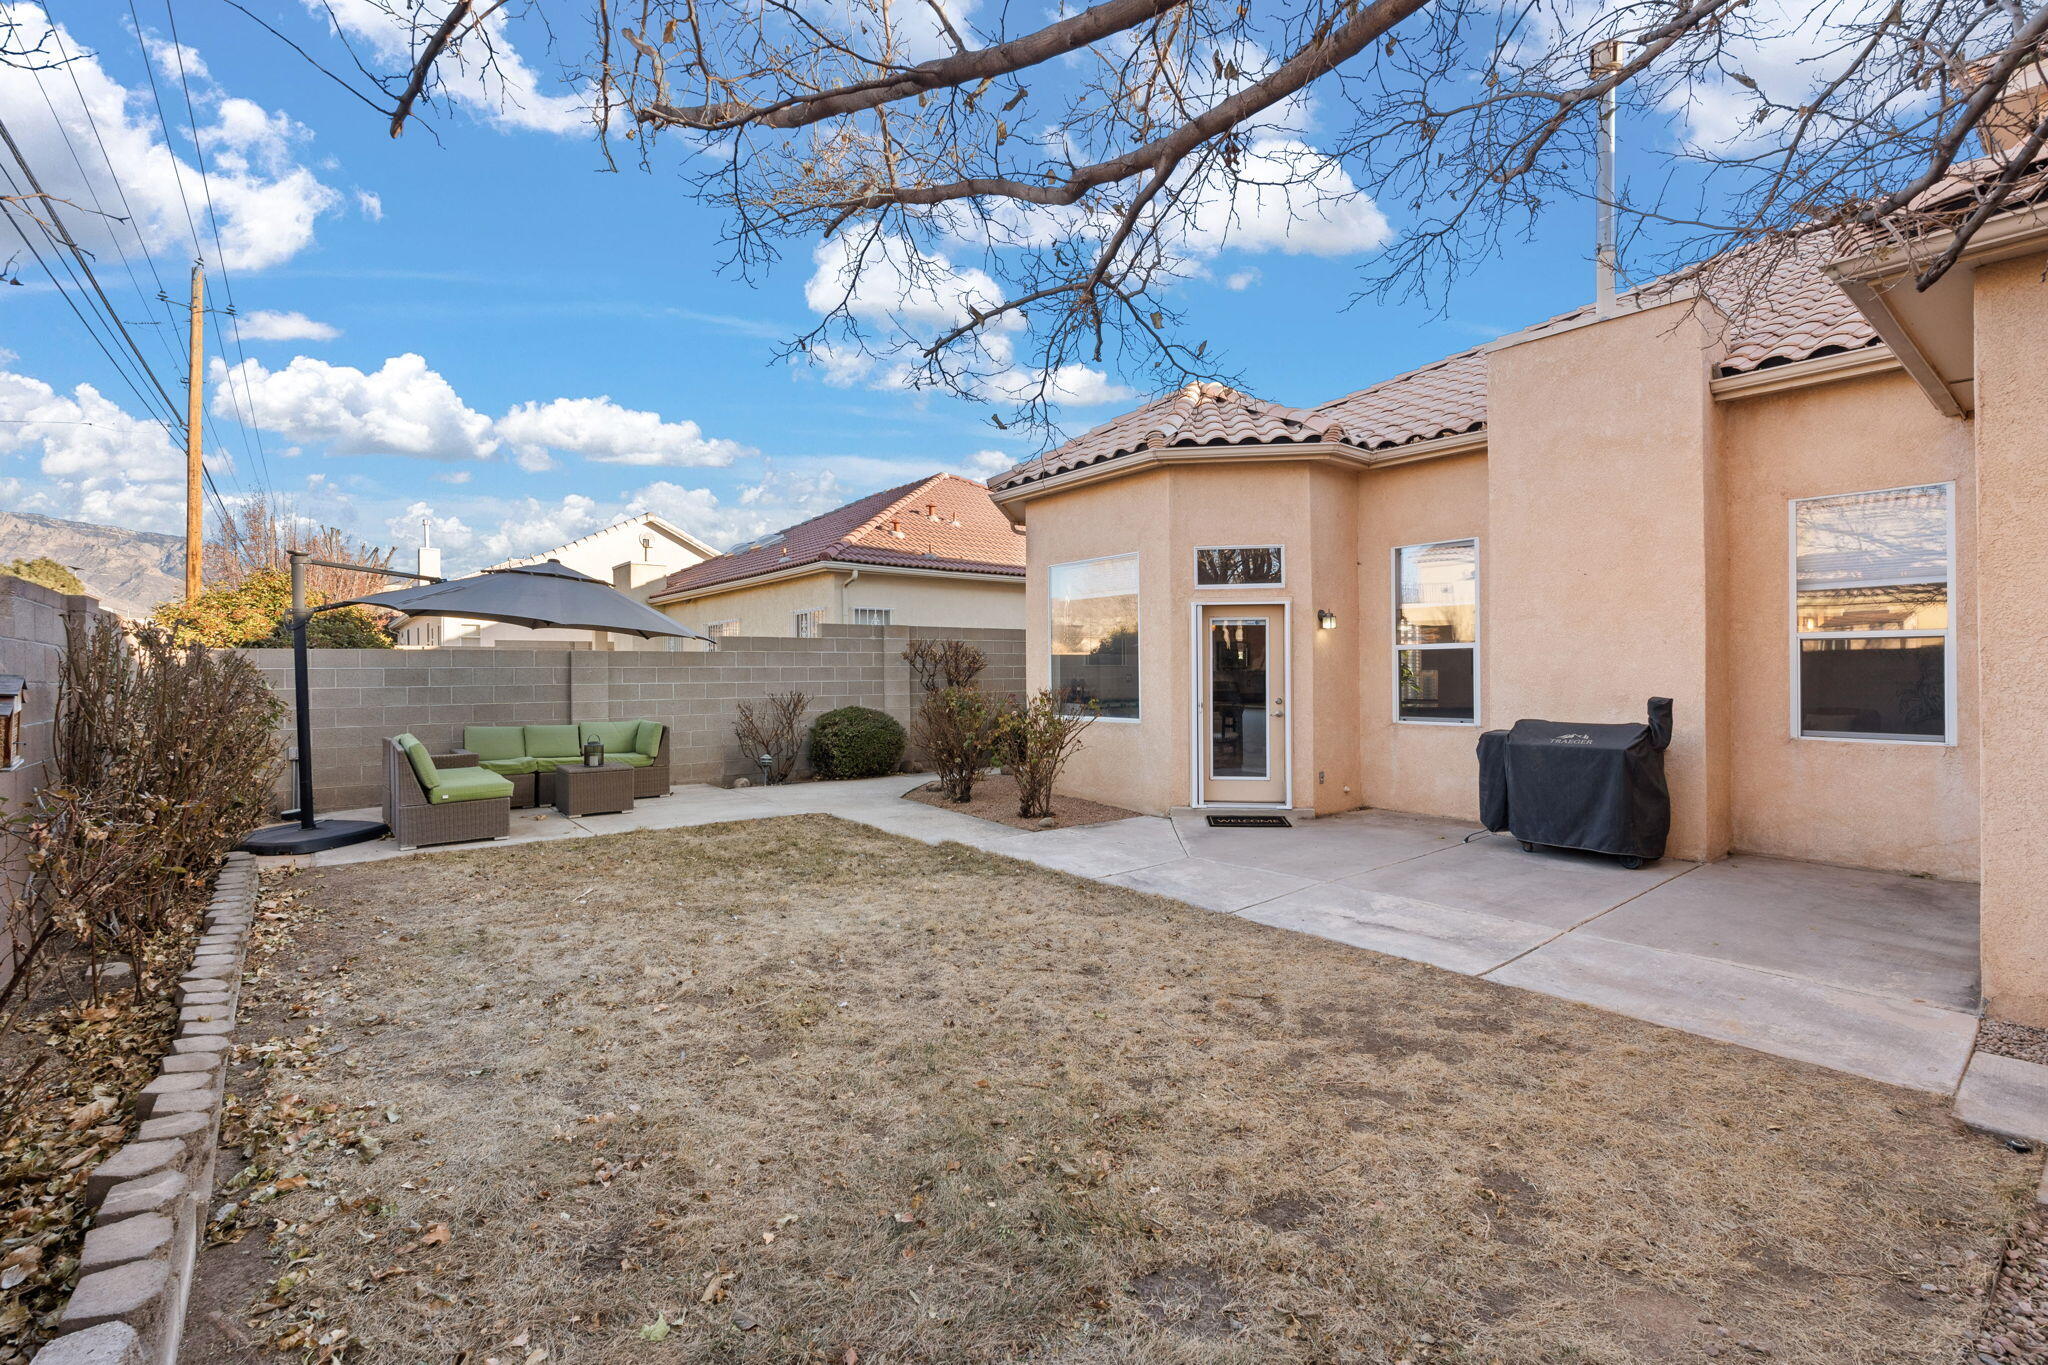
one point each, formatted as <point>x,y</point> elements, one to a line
<point>1436,632</point>
<point>1095,635</point>
<point>871,616</point>
<point>1871,619</point>
<point>1230,566</point>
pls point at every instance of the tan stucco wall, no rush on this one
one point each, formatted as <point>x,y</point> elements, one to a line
<point>1599,544</point>
<point>2012,569</point>
<point>1426,768</point>
<point>1904,807</point>
<point>769,609</point>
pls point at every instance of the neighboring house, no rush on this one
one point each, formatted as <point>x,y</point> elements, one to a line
<point>634,556</point>
<point>931,553</point>
<point>1820,525</point>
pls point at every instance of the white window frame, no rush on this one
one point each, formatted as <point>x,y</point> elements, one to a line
<point>1478,631</point>
<point>1946,635</point>
<point>884,612</point>
<point>1138,592</point>
<point>716,630</point>
<point>1196,569</point>
<point>816,615</point>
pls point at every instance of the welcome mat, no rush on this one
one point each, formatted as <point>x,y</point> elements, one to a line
<point>1250,822</point>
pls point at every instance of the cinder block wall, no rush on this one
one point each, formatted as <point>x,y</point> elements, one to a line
<point>33,621</point>
<point>363,696</point>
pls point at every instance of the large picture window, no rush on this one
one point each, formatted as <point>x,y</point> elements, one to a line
<point>1872,653</point>
<point>1095,635</point>
<point>1436,632</point>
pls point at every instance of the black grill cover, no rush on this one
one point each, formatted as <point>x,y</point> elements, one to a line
<point>1595,787</point>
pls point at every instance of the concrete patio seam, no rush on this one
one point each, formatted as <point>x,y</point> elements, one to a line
<point>1574,928</point>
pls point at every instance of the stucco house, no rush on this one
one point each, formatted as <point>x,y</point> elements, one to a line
<point>1819,523</point>
<point>934,552</point>
<point>635,555</point>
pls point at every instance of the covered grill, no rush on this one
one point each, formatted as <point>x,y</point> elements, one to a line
<point>1599,788</point>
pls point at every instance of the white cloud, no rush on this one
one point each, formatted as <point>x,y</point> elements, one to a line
<point>882,277</point>
<point>402,408</point>
<point>450,533</point>
<point>1240,280</point>
<point>601,430</point>
<point>266,201</point>
<point>96,462</point>
<point>507,93</point>
<point>371,205</point>
<point>1285,196</point>
<point>268,325</point>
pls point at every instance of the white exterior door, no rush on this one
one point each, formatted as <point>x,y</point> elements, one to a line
<point>1244,714</point>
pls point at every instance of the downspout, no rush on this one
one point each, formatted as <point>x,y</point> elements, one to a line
<point>845,612</point>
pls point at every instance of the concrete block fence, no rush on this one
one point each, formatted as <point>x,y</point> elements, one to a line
<point>152,1195</point>
<point>363,696</point>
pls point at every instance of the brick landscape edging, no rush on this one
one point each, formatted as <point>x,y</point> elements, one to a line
<point>152,1196</point>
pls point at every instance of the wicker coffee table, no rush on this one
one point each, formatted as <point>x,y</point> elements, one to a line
<point>592,791</point>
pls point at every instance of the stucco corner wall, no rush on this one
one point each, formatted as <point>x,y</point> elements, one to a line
<point>2012,567</point>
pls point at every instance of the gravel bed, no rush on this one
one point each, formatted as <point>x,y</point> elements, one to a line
<point>2022,1041</point>
<point>2015,1327</point>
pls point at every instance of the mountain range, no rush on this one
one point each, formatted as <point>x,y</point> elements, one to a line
<point>129,571</point>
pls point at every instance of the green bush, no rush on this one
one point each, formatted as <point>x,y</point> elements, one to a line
<point>856,741</point>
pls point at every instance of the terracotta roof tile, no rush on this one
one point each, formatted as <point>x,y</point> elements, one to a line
<point>1443,399</point>
<point>1786,308</point>
<point>1200,414</point>
<point>940,522</point>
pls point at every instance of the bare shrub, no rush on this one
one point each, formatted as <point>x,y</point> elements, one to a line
<point>940,664</point>
<point>1039,736</point>
<point>773,727</point>
<point>959,730</point>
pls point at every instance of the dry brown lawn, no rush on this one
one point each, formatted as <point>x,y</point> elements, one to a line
<point>795,1090</point>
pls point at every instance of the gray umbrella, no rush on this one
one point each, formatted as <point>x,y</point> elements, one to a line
<point>550,594</point>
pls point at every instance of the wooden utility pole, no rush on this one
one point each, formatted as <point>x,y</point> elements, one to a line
<point>194,470</point>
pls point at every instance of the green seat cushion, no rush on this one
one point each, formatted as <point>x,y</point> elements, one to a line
<point>468,784</point>
<point>647,738</point>
<point>630,759</point>
<point>548,765</point>
<point>552,741</point>
<point>616,735</point>
<point>511,767</point>
<point>494,741</point>
<point>422,761</point>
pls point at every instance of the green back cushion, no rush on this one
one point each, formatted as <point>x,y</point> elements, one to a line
<point>647,738</point>
<point>422,762</point>
<point>615,735</point>
<point>552,741</point>
<point>494,741</point>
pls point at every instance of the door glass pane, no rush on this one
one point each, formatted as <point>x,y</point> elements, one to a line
<point>1439,594</point>
<point>1910,606</point>
<point>1237,697</point>
<point>1896,536</point>
<point>1891,688</point>
<point>1436,684</point>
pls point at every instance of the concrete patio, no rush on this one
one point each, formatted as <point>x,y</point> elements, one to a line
<point>1863,972</point>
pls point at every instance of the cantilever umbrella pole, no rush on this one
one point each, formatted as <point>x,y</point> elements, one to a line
<point>312,835</point>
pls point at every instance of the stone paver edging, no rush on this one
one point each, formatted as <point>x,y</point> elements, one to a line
<point>152,1195</point>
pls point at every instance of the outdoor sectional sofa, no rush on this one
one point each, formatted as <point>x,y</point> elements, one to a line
<point>441,798</point>
<point>527,755</point>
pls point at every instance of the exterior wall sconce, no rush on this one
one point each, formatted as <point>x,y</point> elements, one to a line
<point>12,708</point>
<point>1326,620</point>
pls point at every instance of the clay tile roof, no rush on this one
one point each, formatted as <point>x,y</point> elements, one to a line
<point>940,522</point>
<point>1200,414</point>
<point>1444,399</point>
<point>1786,308</point>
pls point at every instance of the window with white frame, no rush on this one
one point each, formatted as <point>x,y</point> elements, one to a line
<point>1232,566</point>
<point>1436,632</point>
<point>871,616</point>
<point>718,630</point>
<point>1871,620</point>
<point>1095,635</point>
<point>13,719</point>
<point>806,625</point>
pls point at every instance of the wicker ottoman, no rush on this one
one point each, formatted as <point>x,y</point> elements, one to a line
<point>591,791</point>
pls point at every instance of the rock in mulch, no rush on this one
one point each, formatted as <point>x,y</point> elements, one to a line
<point>2015,1328</point>
<point>2006,1039</point>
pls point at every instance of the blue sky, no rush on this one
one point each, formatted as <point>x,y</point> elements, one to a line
<point>427,326</point>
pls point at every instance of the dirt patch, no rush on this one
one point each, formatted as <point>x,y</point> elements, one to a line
<point>2021,1041</point>
<point>995,798</point>
<point>788,1089</point>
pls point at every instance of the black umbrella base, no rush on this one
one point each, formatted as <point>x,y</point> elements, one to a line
<point>282,841</point>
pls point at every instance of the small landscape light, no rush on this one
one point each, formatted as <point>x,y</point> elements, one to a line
<point>1326,620</point>
<point>767,762</point>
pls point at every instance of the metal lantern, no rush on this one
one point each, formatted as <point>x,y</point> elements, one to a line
<point>593,753</point>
